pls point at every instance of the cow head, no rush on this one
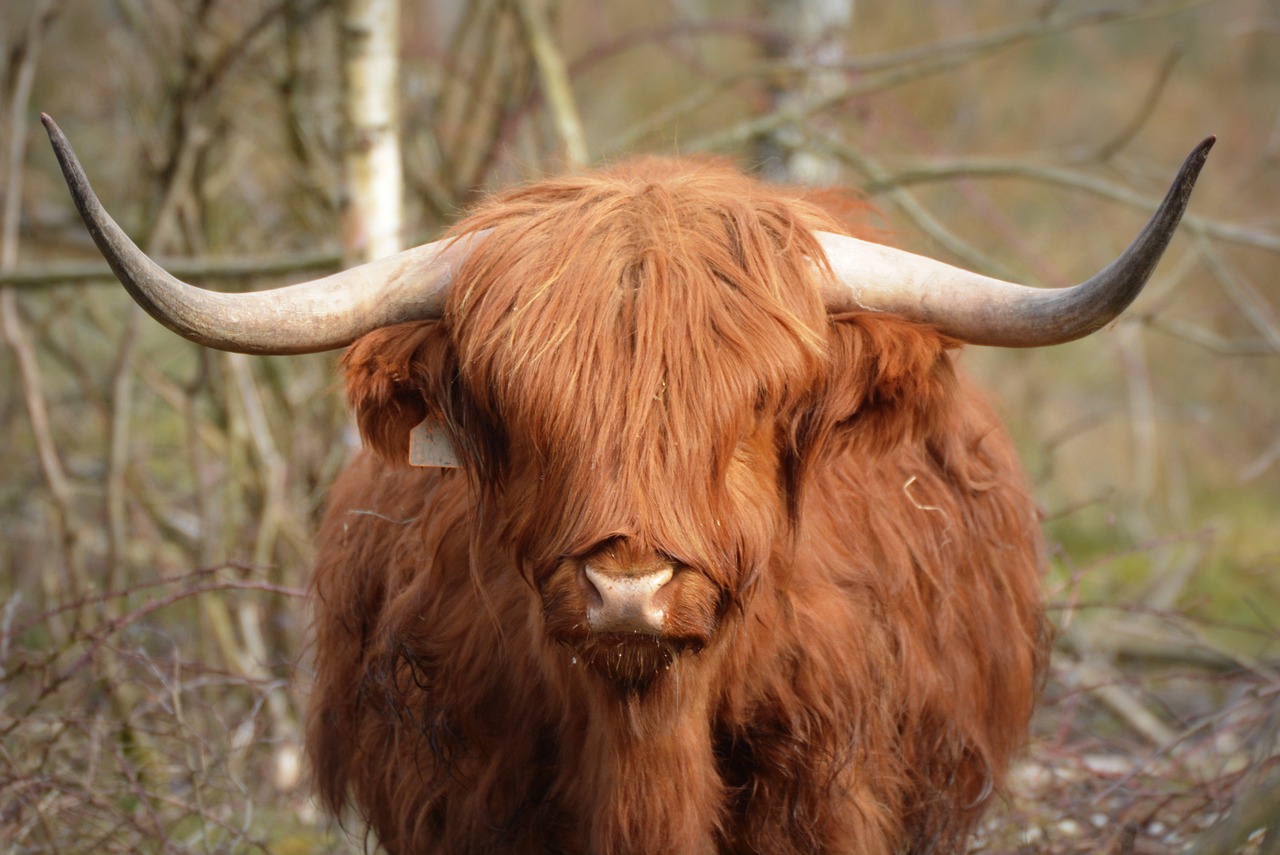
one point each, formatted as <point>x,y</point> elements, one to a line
<point>638,413</point>
<point>637,368</point>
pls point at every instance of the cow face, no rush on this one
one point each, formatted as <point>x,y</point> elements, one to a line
<point>636,374</point>
<point>631,411</point>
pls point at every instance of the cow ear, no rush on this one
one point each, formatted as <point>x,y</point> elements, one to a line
<point>889,380</point>
<point>396,377</point>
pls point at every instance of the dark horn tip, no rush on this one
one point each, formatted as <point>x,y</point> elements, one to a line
<point>1196,159</point>
<point>50,125</point>
<point>61,148</point>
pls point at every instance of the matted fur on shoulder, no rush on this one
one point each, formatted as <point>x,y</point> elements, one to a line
<point>638,363</point>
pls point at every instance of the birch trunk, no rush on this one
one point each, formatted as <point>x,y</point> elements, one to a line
<point>815,31</point>
<point>373,207</point>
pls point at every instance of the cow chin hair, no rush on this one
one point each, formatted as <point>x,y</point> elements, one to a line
<point>631,666</point>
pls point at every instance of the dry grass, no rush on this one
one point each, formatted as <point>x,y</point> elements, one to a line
<point>117,739</point>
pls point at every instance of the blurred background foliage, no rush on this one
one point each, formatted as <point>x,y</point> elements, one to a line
<point>157,500</point>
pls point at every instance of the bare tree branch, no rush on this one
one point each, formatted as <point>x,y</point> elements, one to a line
<point>555,80</point>
<point>950,169</point>
<point>880,73</point>
<point>37,277</point>
<point>14,330</point>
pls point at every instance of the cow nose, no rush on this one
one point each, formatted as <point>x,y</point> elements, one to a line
<point>625,603</point>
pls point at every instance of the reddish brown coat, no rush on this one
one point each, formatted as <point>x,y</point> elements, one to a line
<point>636,366</point>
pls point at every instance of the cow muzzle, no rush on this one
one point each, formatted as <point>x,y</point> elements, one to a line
<point>627,603</point>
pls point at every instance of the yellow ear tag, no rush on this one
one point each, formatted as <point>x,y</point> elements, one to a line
<point>429,446</point>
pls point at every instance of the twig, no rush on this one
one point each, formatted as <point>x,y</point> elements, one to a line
<point>99,635</point>
<point>668,32</point>
<point>480,19</point>
<point>1208,339</point>
<point>1260,464</point>
<point>37,277</point>
<point>950,169</point>
<point>1144,112</point>
<point>1246,298</point>
<point>887,71</point>
<point>555,81</point>
<point>1103,682</point>
<point>508,115</point>
<point>1040,27</point>
<point>14,330</point>
<point>274,475</point>
<point>118,436</point>
<point>1143,438</point>
<point>125,594</point>
<point>217,68</point>
<point>1258,807</point>
<point>916,212</point>
<point>893,67</point>
<point>273,467</point>
<point>500,55</point>
<point>668,115</point>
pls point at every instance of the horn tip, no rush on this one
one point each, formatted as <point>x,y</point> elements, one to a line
<point>1201,151</point>
<point>1193,164</point>
<point>56,136</point>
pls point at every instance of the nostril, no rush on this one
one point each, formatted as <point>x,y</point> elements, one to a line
<point>589,576</point>
<point>625,602</point>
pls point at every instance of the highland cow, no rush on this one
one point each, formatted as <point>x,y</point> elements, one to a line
<point>734,559</point>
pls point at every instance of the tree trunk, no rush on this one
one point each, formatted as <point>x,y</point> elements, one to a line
<point>373,204</point>
<point>813,34</point>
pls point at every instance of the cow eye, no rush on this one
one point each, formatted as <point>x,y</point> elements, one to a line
<point>672,559</point>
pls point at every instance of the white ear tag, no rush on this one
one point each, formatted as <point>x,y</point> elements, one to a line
<point>429,446</point>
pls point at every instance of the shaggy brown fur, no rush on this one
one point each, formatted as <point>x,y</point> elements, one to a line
<point>637,367</point>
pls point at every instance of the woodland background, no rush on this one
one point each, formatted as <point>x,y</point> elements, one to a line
<point>157,500</point>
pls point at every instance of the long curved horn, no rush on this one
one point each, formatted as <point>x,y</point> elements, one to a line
<point>981,310</point>
<point>322,314</point>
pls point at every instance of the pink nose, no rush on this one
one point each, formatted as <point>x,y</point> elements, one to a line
<point>625,603</point>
